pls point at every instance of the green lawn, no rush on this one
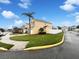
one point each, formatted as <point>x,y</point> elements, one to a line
<point>39,40</point>
<point>7,46</point>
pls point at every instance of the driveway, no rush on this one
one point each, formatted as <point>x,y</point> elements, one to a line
<point>68,50</point>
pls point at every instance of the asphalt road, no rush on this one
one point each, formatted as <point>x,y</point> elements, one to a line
<point>68,50</point>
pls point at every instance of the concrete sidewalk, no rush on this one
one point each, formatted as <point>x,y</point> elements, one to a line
<point>18,45</point>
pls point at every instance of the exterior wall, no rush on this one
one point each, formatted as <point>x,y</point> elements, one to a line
<point>0,32</point>
<point>48,28</point>
<point>25,28</point>
<point>18,31</point>
<point>36,25</point>
<point>55,31</point>
<point>77,30</point>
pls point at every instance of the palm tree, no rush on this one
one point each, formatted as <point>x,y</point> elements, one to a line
<point>30,16</point>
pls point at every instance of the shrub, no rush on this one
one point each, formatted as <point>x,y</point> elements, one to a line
<point>42,31</point>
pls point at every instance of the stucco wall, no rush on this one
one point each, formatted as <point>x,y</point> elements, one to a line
<point>55,31</point>
<point>38,25</point>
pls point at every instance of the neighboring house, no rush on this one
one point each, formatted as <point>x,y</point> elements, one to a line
<point>25,28</point>
<point>17,30</point>
<point>64,28</point>
<point>9,30</point>
<point>0,32</point>
<point>37,24</point>
<point>77,30</point>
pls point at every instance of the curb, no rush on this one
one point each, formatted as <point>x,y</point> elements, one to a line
<point>46,46</point>
<point>3,49</point>
<point>17,35</point>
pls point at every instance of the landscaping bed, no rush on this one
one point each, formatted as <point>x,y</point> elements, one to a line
<point>39,40</point>
<point>6,46</point>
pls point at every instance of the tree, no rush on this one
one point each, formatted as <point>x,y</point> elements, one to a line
<point>59,27</point>
<point>77,27</point>
<point>2,30</point>
<point>30,16</point>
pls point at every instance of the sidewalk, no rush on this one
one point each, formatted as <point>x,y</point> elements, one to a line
<point>18,45</point>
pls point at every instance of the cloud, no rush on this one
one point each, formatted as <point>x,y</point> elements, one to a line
<point>18,22</point>
<point>24,3</point>
<point>72,2</point>
<point>76,14</point>
<point>14,17</point>
<point>77,19</point>
<point>5,1</point>
<point>0,9</point>
<point>70,5</point>
<point>66,23</point>
<point>9,14</point>
<point>44,18</point>
<point>67,7</point>
<point>10,26</point>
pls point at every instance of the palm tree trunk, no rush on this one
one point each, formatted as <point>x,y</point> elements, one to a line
<point>29,25</point>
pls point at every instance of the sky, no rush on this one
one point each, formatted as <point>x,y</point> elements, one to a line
<point>58,12</point>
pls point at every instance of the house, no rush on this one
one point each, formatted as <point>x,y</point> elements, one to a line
<point>36,25</point>
<point>25,28</point>
<point>0,32</point>
<point>77,28</point>
<point>17,30</point>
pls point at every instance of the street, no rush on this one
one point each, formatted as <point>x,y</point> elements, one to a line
<point>68,50</point>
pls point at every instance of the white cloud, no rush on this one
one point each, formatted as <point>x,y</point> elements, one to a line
<point>66,23</point>
<point>70,5</point>
<point>44,18</point>
<point>72,2</point>
<point>14,17</point>
<point>76,13</point>
<point>10,26</point>
<point>67,7</point>
<point>77,19</point>
<point>9,14</point>
<point>75,16</point>
<point>0,9</point>
<point>18,22</point>
<point>5,1</point>
<point>24,3</point>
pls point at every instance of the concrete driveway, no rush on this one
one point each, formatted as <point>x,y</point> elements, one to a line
<point>69,50</point>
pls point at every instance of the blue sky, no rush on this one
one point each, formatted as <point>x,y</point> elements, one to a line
<point>59,12</point>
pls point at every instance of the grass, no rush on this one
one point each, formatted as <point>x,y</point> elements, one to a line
<point>39,40</point>
<point>7,46</point>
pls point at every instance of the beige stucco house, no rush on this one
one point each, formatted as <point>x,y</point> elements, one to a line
<point>36,25</point>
